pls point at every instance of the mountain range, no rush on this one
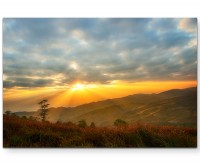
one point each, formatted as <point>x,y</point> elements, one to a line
<point>172,107</point>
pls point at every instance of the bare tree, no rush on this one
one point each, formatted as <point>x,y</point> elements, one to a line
<point>43,109</point>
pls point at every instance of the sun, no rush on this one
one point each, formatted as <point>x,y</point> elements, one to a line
<point>81,86</point>
<point>78,86</point>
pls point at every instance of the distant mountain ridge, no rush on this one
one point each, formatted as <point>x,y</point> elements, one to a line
<point>176,106</point>
<point>178,92</point>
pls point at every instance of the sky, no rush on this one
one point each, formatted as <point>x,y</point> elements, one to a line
<point>77,60</point>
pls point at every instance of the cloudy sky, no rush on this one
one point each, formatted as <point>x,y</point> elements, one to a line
<point>57,53</point>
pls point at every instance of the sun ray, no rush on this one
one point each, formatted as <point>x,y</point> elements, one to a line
<point>82,93</point>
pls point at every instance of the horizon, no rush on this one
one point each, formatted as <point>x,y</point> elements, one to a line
<point>104,99</point>
<point>73,61</point>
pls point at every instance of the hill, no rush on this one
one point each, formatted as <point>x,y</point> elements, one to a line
<point>173,107</point>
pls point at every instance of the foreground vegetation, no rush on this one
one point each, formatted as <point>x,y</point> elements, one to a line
<point>19,132</point>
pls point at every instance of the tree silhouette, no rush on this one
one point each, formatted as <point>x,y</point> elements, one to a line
<point>24,117</point>
<point>8,112</point>
<point>82,124</point>
<point>120,122</point>
<point>92,125</point>
<point>43,109</point>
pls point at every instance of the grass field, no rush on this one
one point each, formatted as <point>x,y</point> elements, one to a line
<point>19,132</point>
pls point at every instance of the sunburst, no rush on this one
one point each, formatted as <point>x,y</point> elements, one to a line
<point>78,86</point>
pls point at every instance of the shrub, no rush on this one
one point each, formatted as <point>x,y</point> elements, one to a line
<point>120,122</point>
<point>82,124</point>
<point>8,112</point>
<point>92,125</point>
<point>24,117</point>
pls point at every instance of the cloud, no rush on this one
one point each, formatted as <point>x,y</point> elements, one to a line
<point>36,51</point>
<point>188,25</point>
<point>26,82</point>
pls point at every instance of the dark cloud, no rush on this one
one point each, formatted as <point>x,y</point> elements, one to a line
<point>26,82</point>
<point>48,52</point>
<point>174,38</point>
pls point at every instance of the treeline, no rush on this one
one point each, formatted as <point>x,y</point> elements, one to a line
<point>82,123</point>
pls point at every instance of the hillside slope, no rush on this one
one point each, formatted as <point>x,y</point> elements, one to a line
<point>173,107</point>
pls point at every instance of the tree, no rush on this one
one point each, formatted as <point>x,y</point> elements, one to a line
<point>24,117</point>
<point>43,109</point>
<point>92,125</point>
<point>82,124</point>
<point>8,112</point>
<point>120,122</point>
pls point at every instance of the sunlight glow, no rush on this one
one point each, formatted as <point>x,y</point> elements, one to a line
<point>78,87</point>
<point>82,93</point>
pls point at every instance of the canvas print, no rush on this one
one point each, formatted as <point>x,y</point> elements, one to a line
<point>99,82</point>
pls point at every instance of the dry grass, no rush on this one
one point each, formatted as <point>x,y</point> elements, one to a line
<point>19,132</point>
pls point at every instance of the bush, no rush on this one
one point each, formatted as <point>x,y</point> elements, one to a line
<point>8,112</point>
<point>82,124</point>
<point>24,117</point>
<point>92,125</point>
<point>120,122</point>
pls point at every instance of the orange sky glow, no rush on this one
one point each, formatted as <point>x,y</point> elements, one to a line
<point>80,93</point>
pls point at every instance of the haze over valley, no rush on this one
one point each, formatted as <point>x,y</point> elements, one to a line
<point>173,107</point>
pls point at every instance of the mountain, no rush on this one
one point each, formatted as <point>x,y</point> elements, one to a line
<point>179,92</point>
<point>24,113</point>
<point>173,107</point>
